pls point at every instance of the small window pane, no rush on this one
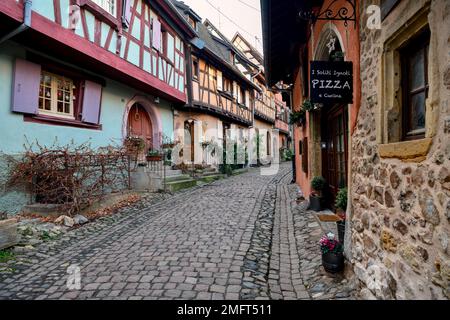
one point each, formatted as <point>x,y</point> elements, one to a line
<point>418,111</point>
<point>47,105</point>
<point>416,70</point>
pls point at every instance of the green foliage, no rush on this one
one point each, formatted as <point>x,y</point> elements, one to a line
<point>341,199</point>
<point>286,154</point>
<point>318,183</point>
<point>6,255</point>
<point>153,153</point>
<point>307,105</point>
<point>297,117</point>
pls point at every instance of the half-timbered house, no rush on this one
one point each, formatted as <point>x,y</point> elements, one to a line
<point>89,70</point>
<point>271,111</point>
<point>220,96</point>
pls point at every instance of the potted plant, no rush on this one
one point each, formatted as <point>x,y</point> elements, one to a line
<point>154,155</point>
<point>297,117</point>
<point>337,56</point>
<point>332,253</point>
<point>134,144</point>
<point>316,197</point>
<point>341,206</point>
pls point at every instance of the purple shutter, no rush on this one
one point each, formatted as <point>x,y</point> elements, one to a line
<point>26,81</point>
<point>156,34</point>
<point>91,102</point>
<point>126,16</point>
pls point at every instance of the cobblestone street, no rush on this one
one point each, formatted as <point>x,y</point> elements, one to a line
<point>244,237</point>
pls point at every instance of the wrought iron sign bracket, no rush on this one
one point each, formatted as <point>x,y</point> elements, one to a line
<point>344,13</point>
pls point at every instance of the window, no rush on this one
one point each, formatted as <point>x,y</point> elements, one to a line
<point>241,95</point>
<point>227,87</point>
<point>192,22</point>
<point>195,68</point>
<point>56,95</point>
<point>108,5</point>
<point>414,59</point>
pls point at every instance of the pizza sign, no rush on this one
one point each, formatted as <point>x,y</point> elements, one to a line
<point>331,82</point>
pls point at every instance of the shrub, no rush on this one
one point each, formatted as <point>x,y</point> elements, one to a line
<point>341,199</point>
<point>318,183</point>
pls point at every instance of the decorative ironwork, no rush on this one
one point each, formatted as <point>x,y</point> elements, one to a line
<point>343,13</point>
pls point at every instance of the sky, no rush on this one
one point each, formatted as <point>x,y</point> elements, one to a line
<point>245,17</point>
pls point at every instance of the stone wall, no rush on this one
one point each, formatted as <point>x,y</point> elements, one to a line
<point>401,210</point>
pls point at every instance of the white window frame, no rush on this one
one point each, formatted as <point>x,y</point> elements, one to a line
<point>54,97</point>
<point>109,6</point>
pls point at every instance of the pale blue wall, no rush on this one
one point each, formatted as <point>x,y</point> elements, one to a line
<point>13,129</point>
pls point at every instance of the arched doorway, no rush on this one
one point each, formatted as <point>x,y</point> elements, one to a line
<point>332,159</point>
<point>140,125</point>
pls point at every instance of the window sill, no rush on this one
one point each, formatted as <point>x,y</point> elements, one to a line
<point>101,13</point>
<point>407,151</point>
<point>226,94</point>
<point>44,119</point>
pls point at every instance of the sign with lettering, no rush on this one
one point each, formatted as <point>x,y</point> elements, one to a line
<point>331,82</point>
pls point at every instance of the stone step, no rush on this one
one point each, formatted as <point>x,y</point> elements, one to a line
<point>180,177</point>
<point>174,186</point>
<point>172,173</point>
<point>211,178</point>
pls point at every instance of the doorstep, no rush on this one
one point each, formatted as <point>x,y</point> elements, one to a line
<point>327,221</point>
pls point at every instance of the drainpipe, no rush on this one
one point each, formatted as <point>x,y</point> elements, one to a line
<point>25,24</point>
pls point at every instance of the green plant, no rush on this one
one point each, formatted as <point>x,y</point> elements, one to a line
<point>328,243</point>
<point>307,105</point>
<point>297,117</point>
<point>135,143</point>
<point>286,154</point>
<point>318,184</point>
<point>341,199</point>
<point>46,236</point>
<point>337,56</point>
<point>153,153</point>
<point>6,255</point>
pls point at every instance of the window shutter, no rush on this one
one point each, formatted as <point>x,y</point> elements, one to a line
<point>247,99</point>
<point>91,102</point>
<point>219,80</point>
<point>305,155</point>
<point>126,15</point>
<point>27,77</point>
<point>235,90</point>
<point>156,34</point>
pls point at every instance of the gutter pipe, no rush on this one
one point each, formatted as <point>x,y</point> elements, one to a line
<point>26,24</point>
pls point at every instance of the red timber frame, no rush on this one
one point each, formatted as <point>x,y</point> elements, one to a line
<point>81,50</point>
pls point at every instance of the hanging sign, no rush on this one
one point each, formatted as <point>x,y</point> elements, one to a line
<point>331,82</point>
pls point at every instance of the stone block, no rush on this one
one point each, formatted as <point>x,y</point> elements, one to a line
<point>8,233</point>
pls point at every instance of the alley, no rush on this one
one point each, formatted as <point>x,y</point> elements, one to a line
<point>240,238</point>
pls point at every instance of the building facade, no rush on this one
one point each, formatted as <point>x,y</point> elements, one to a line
<point>390,148</point>
<point>89,71</point>
<point>401,153</point>
<point>225,102</point>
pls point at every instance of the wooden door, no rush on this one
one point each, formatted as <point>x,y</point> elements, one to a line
<point>139,125</point>
<point>335,153</point>
<point>189,139</point>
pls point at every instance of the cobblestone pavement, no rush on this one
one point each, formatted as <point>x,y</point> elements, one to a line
<point>240,238</point>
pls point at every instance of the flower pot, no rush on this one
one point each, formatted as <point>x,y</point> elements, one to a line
<point>333,262</point>
<point>154,158</point>
<point>315,203</point>
<point>341,230</point>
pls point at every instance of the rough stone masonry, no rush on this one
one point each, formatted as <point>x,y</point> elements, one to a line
<point>401,207</point>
